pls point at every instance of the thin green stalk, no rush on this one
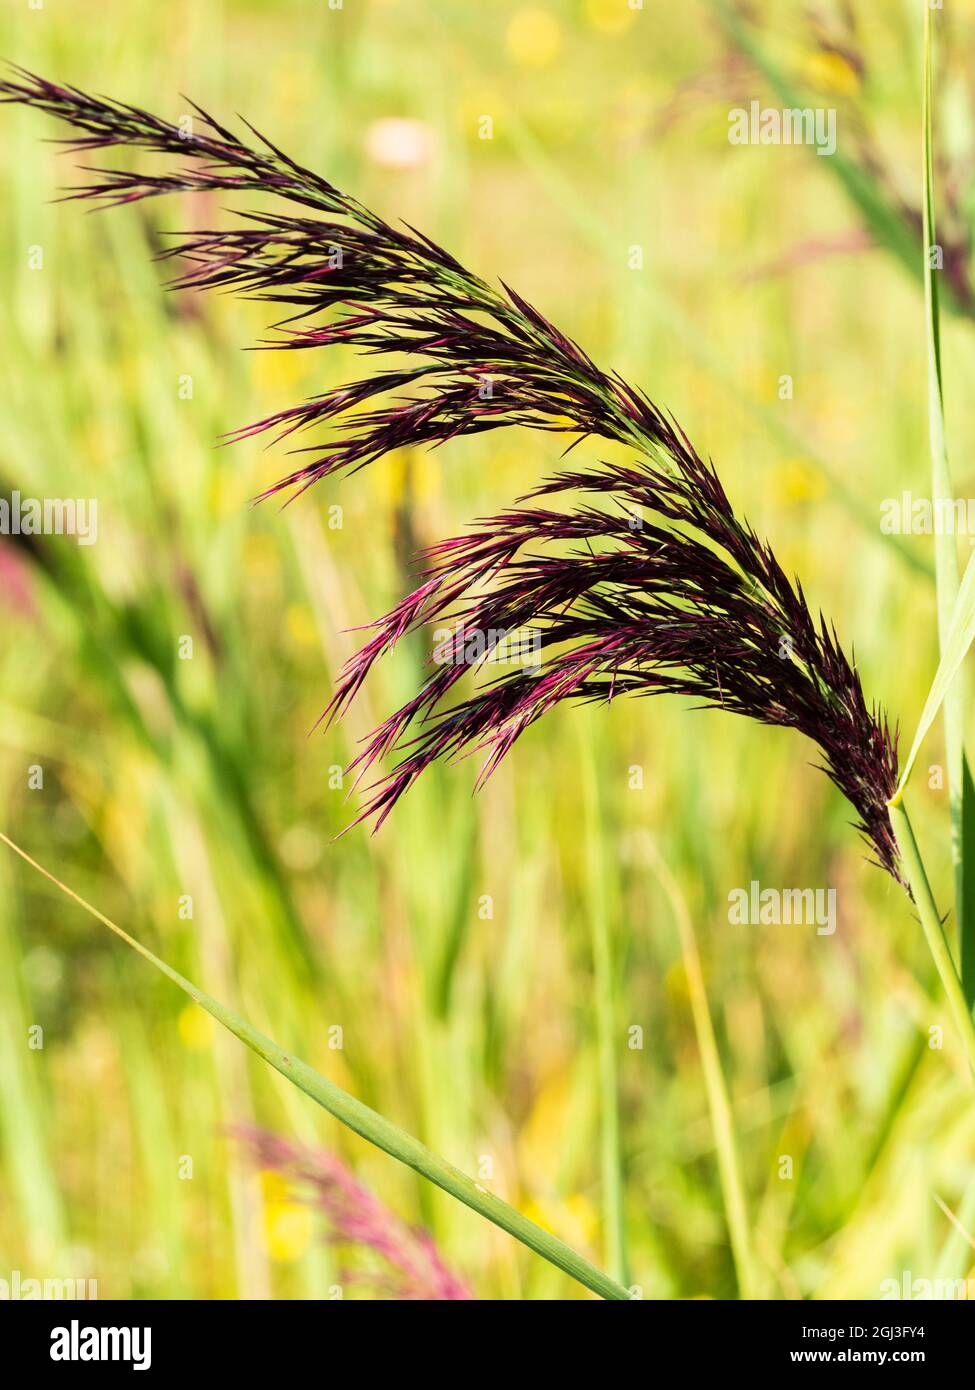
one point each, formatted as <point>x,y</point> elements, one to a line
<point>946,563</point>
<point>611,1164</point>
<point>931,923</point>
<point>954,1259</point>
<point>719,1104</point>
<point>367,1122</point>
<point>613,1209</point>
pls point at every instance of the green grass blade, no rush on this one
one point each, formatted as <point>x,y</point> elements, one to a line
<point>931,923</point>
<point>604,974</point>
<point>958,639</point>
<point>719,1101</point>
<point>945,554</point>
<point>955,1258</point>
<point>367,1123</point>
<point>955,602</point>
<point>966,859</point>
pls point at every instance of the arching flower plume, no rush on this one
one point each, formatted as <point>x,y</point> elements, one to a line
<point>631,578</point>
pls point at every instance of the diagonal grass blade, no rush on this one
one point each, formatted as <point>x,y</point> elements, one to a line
<point>367,1123</point>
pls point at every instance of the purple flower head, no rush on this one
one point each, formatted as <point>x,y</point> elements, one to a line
<point>629,578</point>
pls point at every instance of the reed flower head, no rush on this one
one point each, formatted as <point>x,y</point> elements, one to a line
<point>411,1267</point>
<point>632,578</point>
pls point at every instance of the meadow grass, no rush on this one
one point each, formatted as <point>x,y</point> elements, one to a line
<point>484,1036</point>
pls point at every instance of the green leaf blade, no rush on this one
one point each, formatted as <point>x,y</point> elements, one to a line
<point>364,1121</point>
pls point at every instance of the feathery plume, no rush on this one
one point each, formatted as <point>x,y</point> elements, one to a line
<point>658,588</point>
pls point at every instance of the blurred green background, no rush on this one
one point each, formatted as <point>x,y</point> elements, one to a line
<point>456,950</point>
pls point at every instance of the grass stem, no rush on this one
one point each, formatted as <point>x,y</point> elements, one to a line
<point>933,929</point>
<point>956,700</point>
